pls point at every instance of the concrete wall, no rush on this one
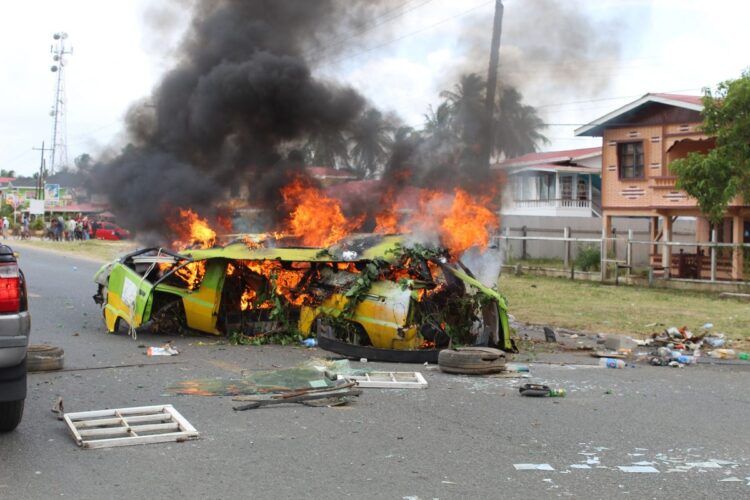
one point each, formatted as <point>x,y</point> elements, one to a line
<point>683,229</point>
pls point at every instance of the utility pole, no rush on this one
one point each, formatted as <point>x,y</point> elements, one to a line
<point>489,105</point>
<point>59,152</point>
<point>40,180</point>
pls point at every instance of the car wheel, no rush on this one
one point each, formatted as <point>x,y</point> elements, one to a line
<point>471,360</point>
<point>42,357</point>
<point>10,414</point>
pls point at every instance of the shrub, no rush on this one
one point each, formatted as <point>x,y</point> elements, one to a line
<point>589,258</point>
<point>38,224</point>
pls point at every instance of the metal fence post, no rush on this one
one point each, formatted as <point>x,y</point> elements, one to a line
<point>629,251</point>
<point>506,245</point>
<point>713,254</point>
<point>603,257</point>
<point>523,243</point>
<point>566,254</point>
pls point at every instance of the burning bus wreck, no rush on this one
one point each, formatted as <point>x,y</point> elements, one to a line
<point>366,294</point>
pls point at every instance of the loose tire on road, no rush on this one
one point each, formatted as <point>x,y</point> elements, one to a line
<point>10,414</point>
<point>42,358</point>
<point>472,360</point>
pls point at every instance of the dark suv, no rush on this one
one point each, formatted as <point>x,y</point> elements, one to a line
<point>15,324</point>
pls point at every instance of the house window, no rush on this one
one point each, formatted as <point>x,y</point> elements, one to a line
<point>566,187</point>
<point>630,160</point>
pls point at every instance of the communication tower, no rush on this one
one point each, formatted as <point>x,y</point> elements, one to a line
<point>59,151</point>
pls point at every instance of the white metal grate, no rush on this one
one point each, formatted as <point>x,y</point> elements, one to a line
<point>129,426</point>
<point>389,380</point>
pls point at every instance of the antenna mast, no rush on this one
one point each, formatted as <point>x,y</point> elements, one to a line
<point>59,151</point>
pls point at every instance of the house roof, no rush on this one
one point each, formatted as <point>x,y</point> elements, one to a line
<point>76,207</point>
<point>549,157</point>
<point>596,127</point>
<point>554,167</point>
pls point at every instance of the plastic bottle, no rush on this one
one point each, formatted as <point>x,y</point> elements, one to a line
<point>611,363</point>
<point>684,359</point>
<point>557,393</point>
<point>723,353</point>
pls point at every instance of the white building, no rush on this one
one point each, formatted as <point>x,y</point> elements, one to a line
<point>554,183</point>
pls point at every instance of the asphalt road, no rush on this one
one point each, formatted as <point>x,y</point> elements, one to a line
<point>460,438</point>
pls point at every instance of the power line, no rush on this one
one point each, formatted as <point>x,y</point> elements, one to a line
<point>585,101</point>
<point>422,30</point>
<point>367,28</point>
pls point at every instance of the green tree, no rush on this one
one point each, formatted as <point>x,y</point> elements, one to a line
<point>466,104</point>
<point>715,178</point>
<point>438,123</point>
<point>371,140</point>
<point>517,126</point>
<point>329,149</point>
<point>7,173</point>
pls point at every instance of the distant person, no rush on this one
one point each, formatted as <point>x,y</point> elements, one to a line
<point>70,229</point>
<point>25,227</point>
<point>6,226</point>
<point>60,229</point>
<point>86,228</point>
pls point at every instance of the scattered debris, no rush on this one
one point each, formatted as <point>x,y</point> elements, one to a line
<point>540,390</point>
<point>516,368</point>
<point>58,408</point>
<point>314,373</point>
<point>388,380</point>
<point>547,467</point>
<point>647,469</point>
<point>309,342</point>
<point>715,340</point>
<point>612,363</point>
<point>723,354</point>
<point>549,335</point>
<point>129,426</point>
<point>618,342</point>
<point>472,360</point>
<point>44,357</point>
<point>165,350</point>
<point>334,397</point>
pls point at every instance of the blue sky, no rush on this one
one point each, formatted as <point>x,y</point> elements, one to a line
<point>401,66</point>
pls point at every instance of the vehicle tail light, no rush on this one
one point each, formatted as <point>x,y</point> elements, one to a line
<point>10,288</point>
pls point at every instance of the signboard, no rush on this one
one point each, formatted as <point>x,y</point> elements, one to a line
<point>52,192</point>
<point>36,207</point>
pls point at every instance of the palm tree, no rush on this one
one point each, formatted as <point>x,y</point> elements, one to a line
<point>466,104</point>
<point>517,125</point>
<point>438,122</point>
<point>327,148</point>
<point>370,138</point>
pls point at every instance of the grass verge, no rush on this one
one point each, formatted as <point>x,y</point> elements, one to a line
<point>99,250</point>
<point>601,308</point>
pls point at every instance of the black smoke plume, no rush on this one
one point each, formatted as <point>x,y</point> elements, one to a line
<point>223,116</point>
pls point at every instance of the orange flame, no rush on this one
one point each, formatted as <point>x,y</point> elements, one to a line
<point>460,220</point>
<point>386,222</point>
<point>315,218</point>
<point>192,231</point>
<point>468,223</point>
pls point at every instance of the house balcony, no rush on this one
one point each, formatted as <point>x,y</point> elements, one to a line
<point>663,182</point>
<point>553,208</point>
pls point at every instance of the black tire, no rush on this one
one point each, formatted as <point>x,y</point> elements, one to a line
<point>10,414</point>
<point>472,360</point>
<point>42,358</point>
